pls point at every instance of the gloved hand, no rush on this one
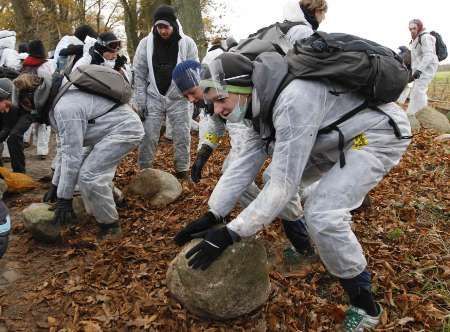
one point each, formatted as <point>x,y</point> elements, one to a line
<point>417,74</point>
<point>50,195</point>
<point>207,251</point>
<point>120,62</point>
<point>141,111</point>
<point>202,157</point>
<point>202,224</point>
<point>64,212</point>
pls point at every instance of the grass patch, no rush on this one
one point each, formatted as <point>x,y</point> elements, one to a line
<point>395,234</point>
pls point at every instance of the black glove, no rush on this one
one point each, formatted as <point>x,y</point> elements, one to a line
<point>50,195</point>
<point>72,50</point>
<point>120,62</point>
<point>96,58</point>
<point>64,212</point>
<point>417,74</point>
<point>195,228</point>
<point>142,113</point>
<point>202,157</point>
<point>207,251</point>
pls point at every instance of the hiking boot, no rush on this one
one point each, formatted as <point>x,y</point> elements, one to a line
<point>357,320</point>
<point>109,231</point>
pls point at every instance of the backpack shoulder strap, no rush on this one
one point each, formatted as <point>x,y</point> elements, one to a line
<point>92,121</point>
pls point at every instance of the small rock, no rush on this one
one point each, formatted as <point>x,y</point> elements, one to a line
<point>38,220</point>
<point>3,188</point>
<point>160,187</point>
<point>236,284</point>
<point>431,119</point>
<point>11,276</point>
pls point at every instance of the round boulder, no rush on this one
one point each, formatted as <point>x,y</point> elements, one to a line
<point>432,119</point>
<point>38,221</point>
<point>236,284</point>
<point>161,188</point>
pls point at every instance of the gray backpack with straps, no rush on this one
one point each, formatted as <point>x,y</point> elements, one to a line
<point>94,79</point>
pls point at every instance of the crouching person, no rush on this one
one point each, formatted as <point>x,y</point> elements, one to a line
<point>347,165</point>
<point>82,119</point>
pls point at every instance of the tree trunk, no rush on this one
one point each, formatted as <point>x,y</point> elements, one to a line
<point>190,15</point>
<point>24,19</point>
<point>131,25</point>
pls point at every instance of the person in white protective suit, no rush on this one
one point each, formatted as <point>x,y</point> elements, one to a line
<point>302,154</point>
<point>105,52</point>
<point>307,16</point>
<point>36,63</point>
<point>156,97</point>
<point>424,65</point>
<point>8,55</point>
<point>78,44</point>
<point>186,76</point>
<point>85,120</point>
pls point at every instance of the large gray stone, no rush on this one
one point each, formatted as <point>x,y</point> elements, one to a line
<point>236,284</point>
<point>161,188</point>
<point>431,119</point>
<point>38,221</point>
<point>3,188</point>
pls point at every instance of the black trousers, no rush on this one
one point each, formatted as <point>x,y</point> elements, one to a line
<point>15,142</point>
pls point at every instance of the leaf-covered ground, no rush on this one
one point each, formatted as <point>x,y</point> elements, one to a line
<point>83,285</point>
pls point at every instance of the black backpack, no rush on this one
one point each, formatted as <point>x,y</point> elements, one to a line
<point>441,48</point>
<point>358,64</point>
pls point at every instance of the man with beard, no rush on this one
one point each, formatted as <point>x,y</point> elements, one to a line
<point>155,95</point>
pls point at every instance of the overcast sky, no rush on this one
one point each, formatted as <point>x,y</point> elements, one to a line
<point>383,21</point>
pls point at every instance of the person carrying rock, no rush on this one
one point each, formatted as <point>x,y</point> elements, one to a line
<point>83,119</point>
<point>84,35</point>
<point>187,78</point>
<point>156,96</point>
<point>347,171</point>
<point>424,65</point>
<point>14,122</point>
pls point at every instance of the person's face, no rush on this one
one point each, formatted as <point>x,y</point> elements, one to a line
<point>111,55</point>
<point>194,94</point>
<point>222,106</point>
<point>5,106</point>
<point>320,16</point>
<point>165,31</point>
<point>414,30</point>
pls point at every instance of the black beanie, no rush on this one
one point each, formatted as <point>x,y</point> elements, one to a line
<point>36,49</point>
<point>165,13</point>
<point>237,69</point>
<point>83,31</point>
<point>22,48</point>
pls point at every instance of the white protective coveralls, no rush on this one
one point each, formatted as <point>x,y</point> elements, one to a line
<point>423,58</point>
<point>156,106</point>
<point>239,131</point>
<point>8,55</point>
<point>300,154</point>
<point>110,138</point>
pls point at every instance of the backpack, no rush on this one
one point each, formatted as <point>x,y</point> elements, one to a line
<point>93,79</point>
<point>267,39</point>
<point>360,65</point>
<point>441,48</point>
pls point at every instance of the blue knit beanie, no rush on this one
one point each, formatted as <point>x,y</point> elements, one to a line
<point>186,75</point>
